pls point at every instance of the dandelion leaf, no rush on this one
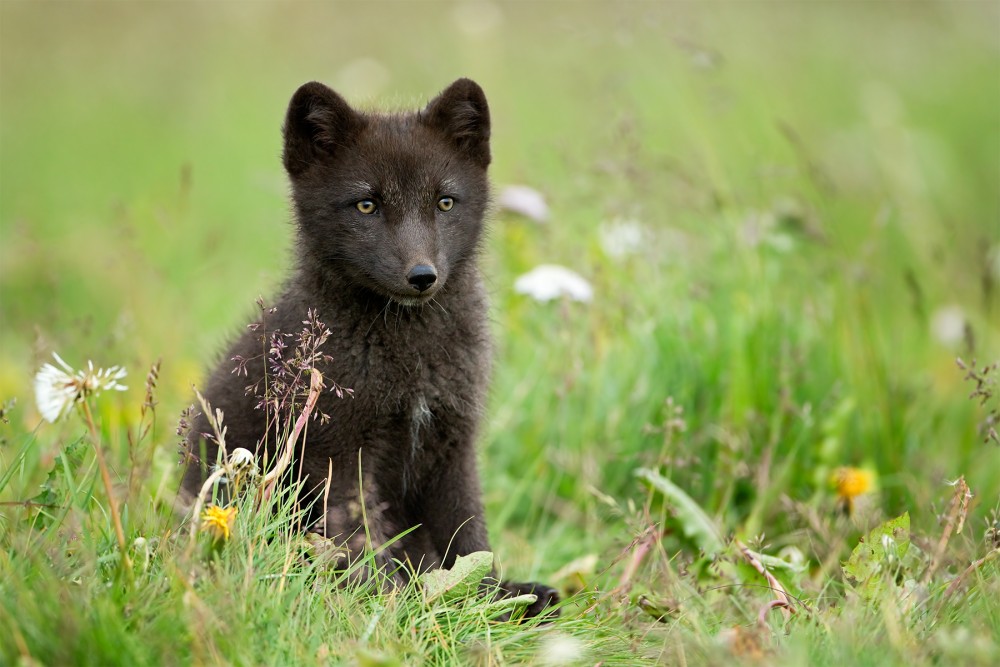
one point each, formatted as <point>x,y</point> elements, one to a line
<point>462,580</point>
<point>880,550</point>
<point>695,523</point>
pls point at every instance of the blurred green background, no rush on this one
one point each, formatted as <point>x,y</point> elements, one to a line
<point>816,186</point>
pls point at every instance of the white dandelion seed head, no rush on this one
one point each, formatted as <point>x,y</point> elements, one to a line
<point>58,390</point>
<point>550,281</point>
<point>241,460</point>
<point>524,200</point>
<point>55,392</point>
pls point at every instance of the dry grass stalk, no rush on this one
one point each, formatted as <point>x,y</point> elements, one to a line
<point>271,478</point>
<point>954,523</point>
<point>782,600</point>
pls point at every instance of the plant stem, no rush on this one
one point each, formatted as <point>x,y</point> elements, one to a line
<point>953,586</point>
<point>956,519</point>
<point>271,478</point>
<point>783,600</point>
<point>106,478</point>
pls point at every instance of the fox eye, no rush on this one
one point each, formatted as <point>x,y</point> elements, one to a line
<point>445,203</point>
<point>366,206</point>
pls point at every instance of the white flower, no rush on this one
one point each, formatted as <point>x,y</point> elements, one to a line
<point>56,391</point>
<point>241,459</point>
<point>524,200</point>
<point>890,548</point>
<point>549,281</point>
<point>621,237</point>
<point>240,462</point>
<point>561,649</point>
<point>948,325</point>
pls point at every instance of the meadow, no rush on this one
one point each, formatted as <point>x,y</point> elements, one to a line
<point>767,437</point>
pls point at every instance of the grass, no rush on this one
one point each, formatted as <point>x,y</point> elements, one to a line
<point>816,185</point>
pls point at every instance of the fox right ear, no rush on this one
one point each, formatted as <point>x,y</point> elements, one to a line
<point>317,123</point>
<point>461,113</point>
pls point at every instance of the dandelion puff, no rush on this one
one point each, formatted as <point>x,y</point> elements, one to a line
<point>218,521</point>
<point>240,464</point>
<point>242,460</point>
<point>55,392</point>
<point>549,281</point>
<point>58,390</point>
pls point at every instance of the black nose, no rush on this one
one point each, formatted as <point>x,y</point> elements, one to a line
<point>422,276</point>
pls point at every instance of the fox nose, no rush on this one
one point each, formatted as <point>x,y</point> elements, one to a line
<point>422,276</point>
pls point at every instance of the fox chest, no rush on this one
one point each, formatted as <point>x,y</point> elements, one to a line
<point>410,404</point>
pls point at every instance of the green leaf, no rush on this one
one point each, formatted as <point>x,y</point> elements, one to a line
<point>509,604</point>
<point>660,610</point>
<point>695,523</point>
<point>462,580</point>
<point>776,563</point>
<point>877,553</point>
<point>369,658</point>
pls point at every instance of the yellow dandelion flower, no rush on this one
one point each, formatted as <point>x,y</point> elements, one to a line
<point>218,521</point>
<point>849,483</point>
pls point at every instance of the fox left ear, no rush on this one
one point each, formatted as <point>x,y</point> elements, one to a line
<point>461,113</point>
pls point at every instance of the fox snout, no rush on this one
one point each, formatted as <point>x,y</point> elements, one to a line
<point>422,277</point>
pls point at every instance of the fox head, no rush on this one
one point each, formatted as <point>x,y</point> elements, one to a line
<point>393,203</point>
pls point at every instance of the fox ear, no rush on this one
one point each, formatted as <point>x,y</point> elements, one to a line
<point>317,123</point>
<point>461,113</point>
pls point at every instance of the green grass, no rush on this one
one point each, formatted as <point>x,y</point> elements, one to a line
<point>815,181</point>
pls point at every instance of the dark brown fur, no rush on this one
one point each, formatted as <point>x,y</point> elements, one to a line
<point>417,360</point>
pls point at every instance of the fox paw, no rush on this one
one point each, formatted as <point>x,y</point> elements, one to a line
<point>543,606</point>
